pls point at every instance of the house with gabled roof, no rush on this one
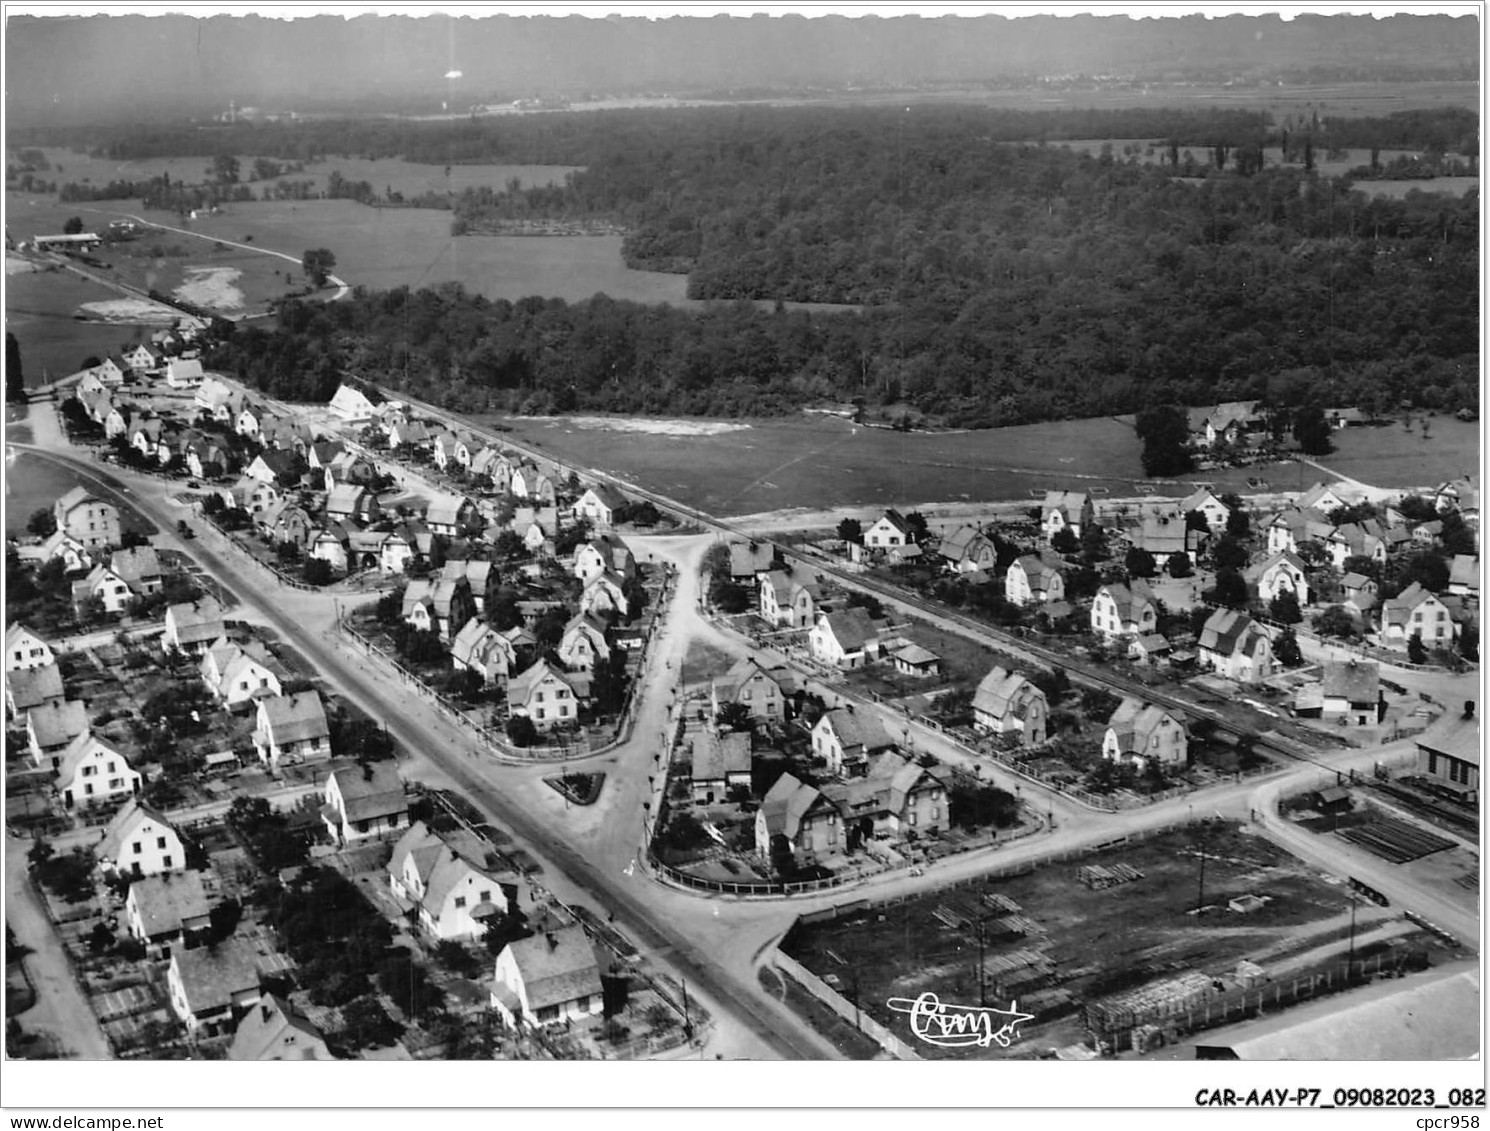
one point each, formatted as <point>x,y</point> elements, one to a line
<point>332,545</point>
<point>583,643</point>
<point>480,648</point>
<point>1233,645</point>
<point>1034,578</point>
<point>1283,572</point>
<point>1139,731</point>
<point>482,460</point>
<point>444,880</point>
<point>788,599</point>
<point>1209,505</point>
<point>184,373</point>
<point>548,697</point>
<point>482,576</point>
<point>322,453</point>
<point>275,466</point>
<point>442,605</point>
<point>138,841</point>
<point>1416,611</point>
<point>748,560</point>
<point>968,550</point>
<point>29,688</point>
<point>166,910</point>
<point>395,553</point>
<point>354,404</point>
<point>599,504</point>
<point>1464,576</point>
<point>192,626</point>
<point>1356,539</point>
<point>237,674</point>
<point>720,761</point>
<point>1323,497</point>
<point>1360,592</point>
<point>766,691</point>
<point>604,593</point>
<point>414,433</point>
<point>1066,510</point>
<point>217,400</point>
<point>139,567</point>
<point>211,988</point>
<point>450,515</point>
<point>549,978</point>
<point>846,639</point>
<point>107,586</point>
<point>206,459</point>
<point>141,358</point>
<point>1149,648</point>
<point>348,467</point>
<point>1124,610</point>
<point>604,553</point>
<point>797,817</point>
<point>1450,759</point>
<point>1008,702</point>
<point>890,529</point>
<point>291,729</point>
<point>275,1030</point>
<point>25,649</point>
<point>1351,692</point>
<point>91,773</point>
<point>363,801</point>
<point>847,739</point>
<point>1232,422</point>
<point>51,728</point>
<point>87,519</point>
<point>441,448</point>
<point>61,546</point>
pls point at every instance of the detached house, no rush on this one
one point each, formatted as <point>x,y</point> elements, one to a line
<point>1235,646</point>
<point>848,739</point>
<point>1163,533</point>
<point>604,594</point>
<point>51,727</point>
<point>968,550</point>
<point>193,626</point>
<point>107,586</point>
<point>139,567</point>
<point>548,979</point>
<point>550,698</point>
<point>444,881</point>
<point>1007,702</point>
<point>1234,422</point>
<point>605,553</point>
<point>1122,610</point>
<point>1138,731</point>
<point>347,502</point>
<point>184,373</point>
<point>1416,611</point>
<point>364,801</point>
<point>274,1030</point>
<point>354,405</point>
<point>292,729</point>
<point>1451,761</point>
<point>788,601</point>
<point>1065,510</point>
<point>1033,579</point>
<point>29,688</point>
<point>211,988</point>
<point>87,519</point>
<point>583,643</point>
<point>91,774</point>
<point>1292,528</point>
<point>1208,504</point>
<point>441,606</point>
<point>798,818</point>
<point>139,841</point>
<point>599,504</point>
<point>1352,692</point>
<point>765,692</point>
<point>1360,592</point>
<point>167,909</point>
<point>450,515</point>
<point>889,530</point>
<point>721,763</point>
<point>1283,572</point>
<point>846,639</point>
<point>480,648</point>
<point>238,674</point>
<point>24,649</point>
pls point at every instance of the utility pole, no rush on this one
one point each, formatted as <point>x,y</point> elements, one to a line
<point>1350,956</point>
<point>1200,894</point>
<point>982,971</point>
<point>687,1023</point>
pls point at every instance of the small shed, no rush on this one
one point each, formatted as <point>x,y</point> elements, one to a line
<point>1246,904</point>
<point>1249,975</point>
<point>1334,799</point>
<point>915,660</point>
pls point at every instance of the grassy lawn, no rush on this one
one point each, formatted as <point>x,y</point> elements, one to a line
<point>1100,941</point>
<point>39,309</point>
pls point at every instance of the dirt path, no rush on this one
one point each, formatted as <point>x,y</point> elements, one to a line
<point>61,1010</point>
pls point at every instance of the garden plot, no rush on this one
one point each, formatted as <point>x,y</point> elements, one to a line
<point>1053,941</point>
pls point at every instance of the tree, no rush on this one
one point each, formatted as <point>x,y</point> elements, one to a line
<point>1416,653</point>
<point>42,523</point>
<point>224,169</point>
<point>736,716</point>
<point>521,731</point>
<point>851,530</point>
<point>317,571</point>
<point>1336,621</point>
<point>1238,520</point>
<point>1230,590</point>
<point>1229,553</point>
<point>1179,565</point>
<point>1286,648</point>
<point>1093,543</point>
<point>915,524</point>
<point>1312,431</point>
<point>15,382</point>
<point>317,264</point>
<point>1065,542</point>
<point>1139,562</point>
<point>1196,520</point>
<point>1165,432</point>
<point>1284,608</point>
<point>73,226</point>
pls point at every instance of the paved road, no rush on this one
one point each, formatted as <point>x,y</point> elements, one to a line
<point>61,1010</point>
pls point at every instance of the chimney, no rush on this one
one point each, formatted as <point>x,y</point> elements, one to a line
<point>266,1010</point>
<point>1469,708</point>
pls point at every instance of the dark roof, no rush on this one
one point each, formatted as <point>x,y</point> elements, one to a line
<point>1356,681</point>
<point>557,966</point>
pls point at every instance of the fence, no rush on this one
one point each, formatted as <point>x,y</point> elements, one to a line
<point>845,1009</point>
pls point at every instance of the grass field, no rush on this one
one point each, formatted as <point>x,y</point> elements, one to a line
<point>39,309</point>
<point>31,484</point>
<point>819,462</point>
<point>1101,942</point>
<point>1394,456</point>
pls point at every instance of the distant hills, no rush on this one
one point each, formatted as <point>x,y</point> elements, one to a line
<point>71,70</point>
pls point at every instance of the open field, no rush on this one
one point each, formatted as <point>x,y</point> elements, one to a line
<point>31,484</point>
<point>1095,943</point>
<point>39,309</point>
<point>1394,456</point>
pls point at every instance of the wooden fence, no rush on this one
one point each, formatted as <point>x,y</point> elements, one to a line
<point>850,1012</point>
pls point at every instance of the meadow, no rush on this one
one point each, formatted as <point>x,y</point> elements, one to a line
<point>39,309</point>
<point>32,484</point>
<point>1394,456</point>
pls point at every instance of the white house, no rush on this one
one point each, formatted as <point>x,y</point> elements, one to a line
<point>51,728</point>
<point>1416,611</point>
<point>193,626</point>
<point>236,674</point>
<point>1283,572</point>
<point>87,519</point>
<point>275,1030</point>
<point>211,988</point>
<point>846,639</point>
<point>599,504</point>
<point>604,594</point>
<point>548,979</point>
<point>139,841</point>
<point>1066,510</point>
<point>763,691</point>
<point>445,879</point>
<point>364,801</point>
<point>352,404</point>
<point>583,643</point>
<point>168,908</point>
<point>890,529</point>
<point>1033,579</point>
<point>106,585</point>
<point>25,650</point>
<point>292,729</point>
<point>550,698</point>
<point>480,648</point>
<point>848,739</point>
<point>91,774</point>
<point>1138,731</point>
<point>788,601</point>
<point>1007,702</point>
<point>1232,644</point>
<point>1205,501</point>
<point>28,688</point>
<point>1122,610</point>
<point>184,373</point>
